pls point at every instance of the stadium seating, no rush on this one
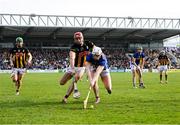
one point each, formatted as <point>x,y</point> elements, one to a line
<point>58,58</point>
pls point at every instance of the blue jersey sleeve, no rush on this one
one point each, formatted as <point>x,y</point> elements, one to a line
<point>89,58</point>
<point>135,55</point>
<point>143,55</point>
<point>103,62</point>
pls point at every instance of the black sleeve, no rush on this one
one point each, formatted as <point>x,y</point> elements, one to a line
<point>73,48</point>
<point>26,50</point>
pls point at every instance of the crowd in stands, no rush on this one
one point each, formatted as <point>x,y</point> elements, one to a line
<point>49,59</point>
<point>59,58</point>
<point>4,59</point>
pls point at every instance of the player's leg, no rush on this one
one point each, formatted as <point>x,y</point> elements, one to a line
<point>96,92</point>
<point>166,74</point>
<point>21,73</point>
<point>160,76</point>
<point>19,83</point>
<point>69,91</point>
<point>73,86</point>
<point>66,77</point>
<point>14,77</point>
<point>78,76</point>
<point>106,79</point>
<point>139,73</point>
<point>133,70</point>
<point>161,69</point>
<point>87,78</point>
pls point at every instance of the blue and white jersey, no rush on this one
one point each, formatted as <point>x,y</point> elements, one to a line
<point>138,57</point>
<point>101,62</point>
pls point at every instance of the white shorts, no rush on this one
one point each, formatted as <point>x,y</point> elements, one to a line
<point>103,73</point>
<point>17,71</point>
<point>76,70</point>
<point>133,67</point>
<point>163,68</point>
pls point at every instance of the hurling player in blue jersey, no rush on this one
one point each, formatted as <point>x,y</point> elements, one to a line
<point>138,62</point>
<point>97,65</point>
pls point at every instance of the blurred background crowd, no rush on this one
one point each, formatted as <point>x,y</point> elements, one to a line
<point>59,58</point>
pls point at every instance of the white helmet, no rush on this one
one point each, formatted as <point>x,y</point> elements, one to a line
<point>97,51</point>
<point>162,52</point>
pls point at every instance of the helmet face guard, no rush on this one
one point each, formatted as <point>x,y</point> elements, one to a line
<point>19,40</point>
<point>97,52</point>
<point>139,49</point>
<point>162,53</point>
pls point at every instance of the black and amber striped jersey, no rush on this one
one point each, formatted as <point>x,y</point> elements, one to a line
<point>81,52</point>
<point>19,57</point>
<point>163,60</point>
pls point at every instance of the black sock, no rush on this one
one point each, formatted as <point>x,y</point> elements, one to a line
<point>109,91</point>
<point>160,77</point>
<point>66,96</point>
<point>166,77</point>
<point>76,90</point>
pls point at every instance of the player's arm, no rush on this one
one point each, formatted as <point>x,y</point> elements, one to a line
<point>29,55</point>
<point>72,56</point>
<point>128,57</point>
<point>169,63</point>
<point>134,61</point>
<point>157,63</point>
<point>11,60</point>
<point>142,64</point>
<point>88,70</point>
<point>96,74</point>
<point>142,61</point>
<point>29,58</point>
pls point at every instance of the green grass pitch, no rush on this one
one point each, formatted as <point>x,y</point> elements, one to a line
<point>40,96</point>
